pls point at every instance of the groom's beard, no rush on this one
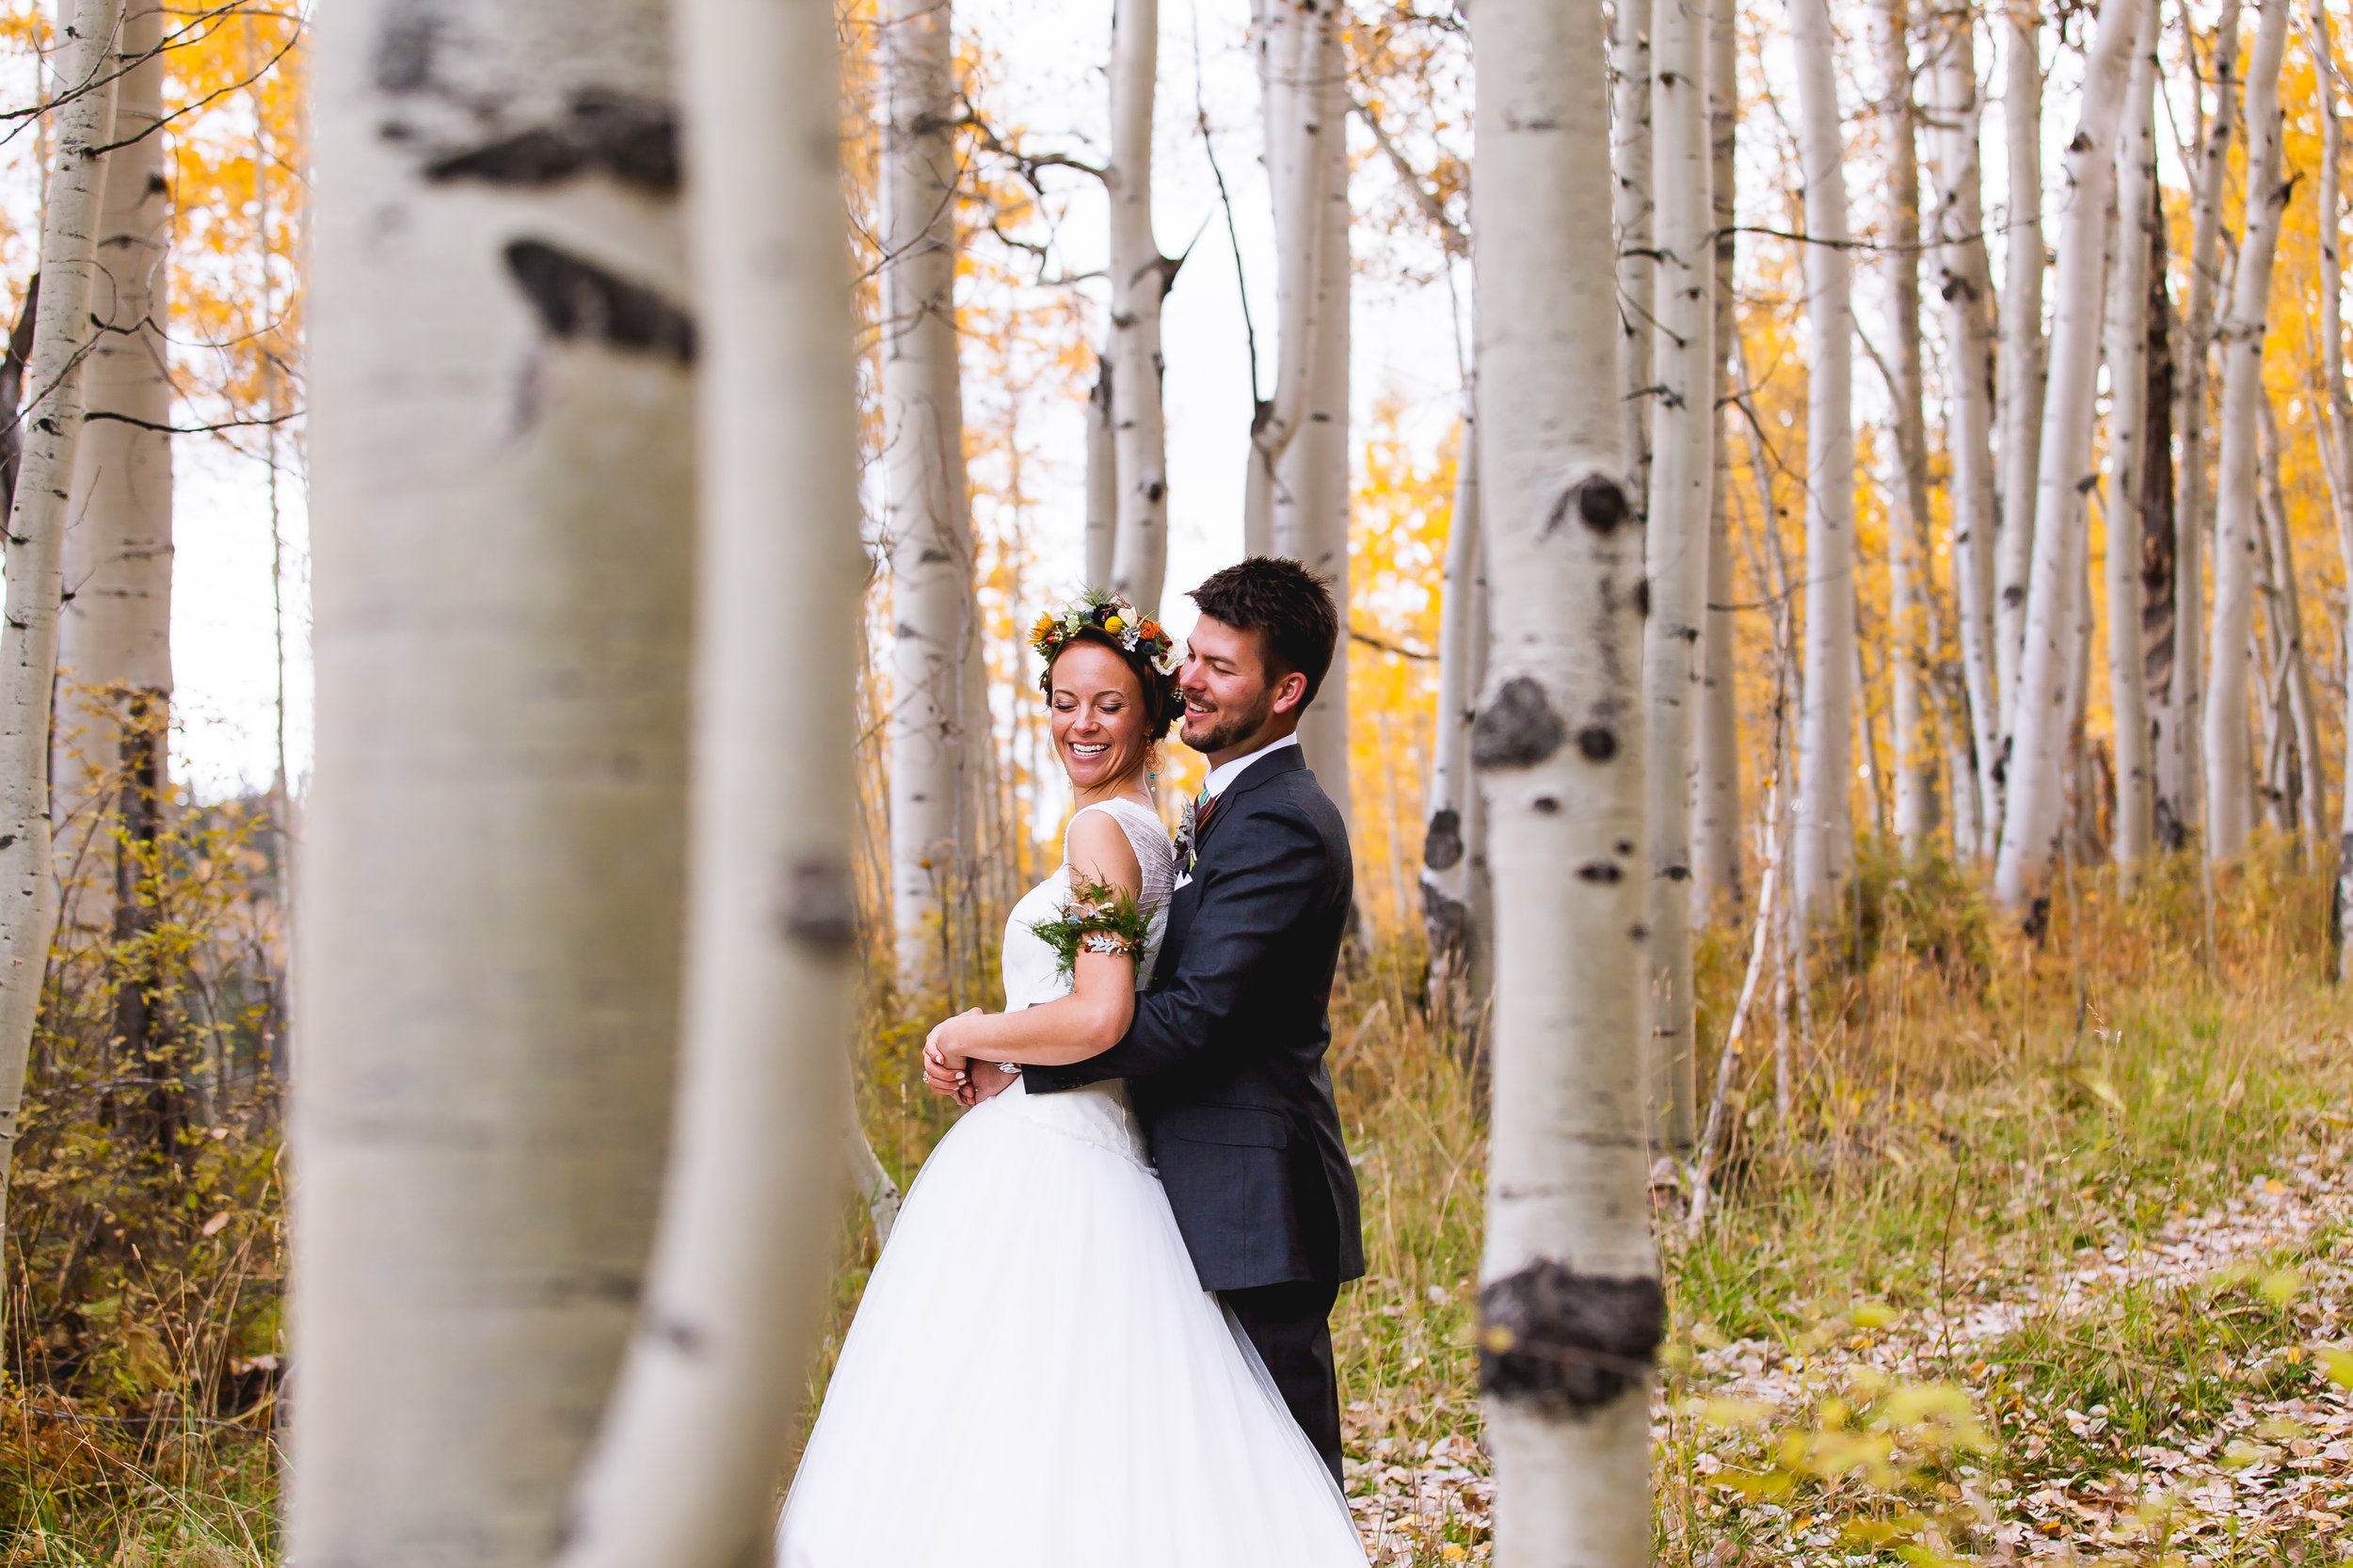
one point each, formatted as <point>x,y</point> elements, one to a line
<point>1222,730</point>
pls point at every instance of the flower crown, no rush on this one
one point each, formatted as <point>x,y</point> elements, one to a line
<point>1115,618</point>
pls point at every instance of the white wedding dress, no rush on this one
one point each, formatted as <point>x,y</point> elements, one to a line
<point>1035,1377</point>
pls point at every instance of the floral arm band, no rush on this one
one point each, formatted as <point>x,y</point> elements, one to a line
<point>1097,919</point>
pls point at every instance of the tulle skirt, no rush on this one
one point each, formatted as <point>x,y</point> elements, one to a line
<point>1036,1380</point>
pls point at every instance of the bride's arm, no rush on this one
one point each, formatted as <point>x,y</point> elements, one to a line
<point>1102,1001</point>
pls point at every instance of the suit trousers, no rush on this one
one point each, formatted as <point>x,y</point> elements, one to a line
<point>1291,1326</point>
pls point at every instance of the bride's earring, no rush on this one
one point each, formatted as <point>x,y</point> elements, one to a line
<point>1151,768</point>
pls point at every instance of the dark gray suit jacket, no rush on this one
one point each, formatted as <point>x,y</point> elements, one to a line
<point>1225,1060</point>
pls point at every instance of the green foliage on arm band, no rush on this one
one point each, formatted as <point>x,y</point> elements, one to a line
<point>1099,920</point>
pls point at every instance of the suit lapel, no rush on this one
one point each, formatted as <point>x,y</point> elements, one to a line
<point>1289,760</point>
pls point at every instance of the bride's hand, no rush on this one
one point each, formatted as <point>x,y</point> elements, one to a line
<point>946,1066</point>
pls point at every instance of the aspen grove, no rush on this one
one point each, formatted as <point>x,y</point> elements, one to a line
<point>517,717</point>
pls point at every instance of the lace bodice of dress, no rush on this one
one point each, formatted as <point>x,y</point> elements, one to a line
<point>1031,972</point>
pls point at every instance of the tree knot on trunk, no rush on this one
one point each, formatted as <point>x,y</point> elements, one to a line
<point>633,140</point>
<point>819,909</point>
<point>1518,728</point>
<point>1442,846</point>
<point>576,299</point>
<point>1563,1343</point>
<point>1600,503</point>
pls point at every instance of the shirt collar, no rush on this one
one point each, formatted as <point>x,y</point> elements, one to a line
<point>1225,772</point>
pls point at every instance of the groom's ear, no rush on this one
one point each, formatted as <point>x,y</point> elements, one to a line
<point>1291,693</point>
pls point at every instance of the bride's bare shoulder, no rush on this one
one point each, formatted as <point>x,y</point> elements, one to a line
<point>1097,850</point>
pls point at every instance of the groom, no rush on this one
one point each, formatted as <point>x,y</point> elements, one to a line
<point>1225,1060</point>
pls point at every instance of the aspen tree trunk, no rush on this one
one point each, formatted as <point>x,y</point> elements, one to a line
<point>494,857</point>
<point>2338,410</point>
<point>12,367</point>
<point>1716,879</point>
<point>1140,281</point>
<point>1967,289</point>
<point>2022,363</point>
<point>1311,489</point>
<point>936,633</point>
<point>1683,469</point>
<point>37,515</point>
<point>1825,837</point>
<point>1630,22</point>
<point>1911,588</point>
<point>1297,45</point>
<point>1451,835</point>
<point>2041,709</point>
<point>703,1419</point>
<point>2230,810</point>
<point>2160,617</point>
<point>1570,1306</point>
<point>2287,607</point>
<point>114,640</point>
<point>2182,788</point>
<point>2127,487</point>
<point>1102,478</point>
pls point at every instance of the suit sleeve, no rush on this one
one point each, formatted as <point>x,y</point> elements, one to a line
<point>1277,876</point>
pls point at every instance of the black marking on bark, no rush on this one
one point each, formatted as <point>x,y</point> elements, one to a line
<point>577,299</point>
<point>819,909</point>
<point>1624,848</point>
<point>635,140</point>
<point>1596,744</point>
<point>681,1336</point>
<point>2089,483</point>
<point>1642,597</point>
<point>1600,504</point>
<point>1153,491</point>
<point>1518,729</point>
<point>932,556</point>
<point>1564,1344</point>
<point>1640,932</point>
<point>1442,846</point>
<point>5,839</point>
<point>1547,805</point>
<point>1603,871</point>
<point>2014,594</point>
<point>1678,873</point>
<point>403,46</point>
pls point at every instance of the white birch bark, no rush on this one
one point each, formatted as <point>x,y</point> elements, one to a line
<point>2127,462</point>
<point>1102,480</point>
<point>2022,362</point>
<point>1910,589</point>
<point>51,424</point>
<point>1451,834</point>
<point>493,875</point>
<point>1570,1305</point>
<point>2230,807</point>
<point>2179,743</point>
<point>934,744</point>
<point>1298,50</point>
<point>2041,707</point>
<point>1140,280</point>
<point>2288,610</point>
<point>114,640</point>
<point>1631,208</point>
<point>2337,408</point>
<point>1716,874</point>
<point>704,1416</point>
<point>1683,424</point>
<point>1825,833</point>
<point>1967,290</point>
<point>1311,484</point>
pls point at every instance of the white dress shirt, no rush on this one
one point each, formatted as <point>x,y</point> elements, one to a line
<point>1225,772</point>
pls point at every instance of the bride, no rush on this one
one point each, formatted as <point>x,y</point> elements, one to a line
<point>1036,1376</point>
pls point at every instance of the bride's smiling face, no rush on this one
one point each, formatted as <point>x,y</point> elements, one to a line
<point>1098,719</point>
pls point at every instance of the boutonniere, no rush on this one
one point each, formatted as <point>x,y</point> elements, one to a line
<point>1186,833</point>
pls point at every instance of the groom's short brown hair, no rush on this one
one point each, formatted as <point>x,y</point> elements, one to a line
<point>1286,604</point>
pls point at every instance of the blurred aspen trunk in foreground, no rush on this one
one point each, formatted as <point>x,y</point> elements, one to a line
<point>494,875</point>
<point>38,516</point>
<point>2337,409</point>
<point>704,1416</point>
<point>1570,1306</point>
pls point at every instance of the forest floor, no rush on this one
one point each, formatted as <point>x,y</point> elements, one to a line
<point>2047,1260</point>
